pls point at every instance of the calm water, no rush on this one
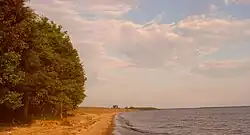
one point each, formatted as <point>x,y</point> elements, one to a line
<point>207,121</point>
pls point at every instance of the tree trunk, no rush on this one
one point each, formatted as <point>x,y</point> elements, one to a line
<point>26,104</point>
<point>42,111</point>
<point>61,110</point>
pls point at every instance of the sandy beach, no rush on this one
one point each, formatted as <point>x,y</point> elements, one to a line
<point>87,121</point>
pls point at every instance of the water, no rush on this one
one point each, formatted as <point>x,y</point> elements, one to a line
<point>206,121</point>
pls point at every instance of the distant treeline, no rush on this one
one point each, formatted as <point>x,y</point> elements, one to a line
<point>40,72</point>
<point>142,108</point>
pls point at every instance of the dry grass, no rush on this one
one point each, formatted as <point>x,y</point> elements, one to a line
<point>87,121</point>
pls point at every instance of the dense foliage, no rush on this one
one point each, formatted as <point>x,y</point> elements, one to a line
<point>39,68</point>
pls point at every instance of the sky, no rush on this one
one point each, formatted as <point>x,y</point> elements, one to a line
<point>162,53</point>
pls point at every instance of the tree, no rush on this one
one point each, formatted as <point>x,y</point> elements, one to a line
<point>12,18</point>
<point>39,68</point>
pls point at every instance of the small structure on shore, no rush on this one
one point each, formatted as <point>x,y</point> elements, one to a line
<point>115,106</point>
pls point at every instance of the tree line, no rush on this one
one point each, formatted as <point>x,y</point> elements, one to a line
<point>40,72</point>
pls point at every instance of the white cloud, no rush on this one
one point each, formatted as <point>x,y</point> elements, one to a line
<point>227,2</point>
<point>213,8</point>
<point>115,50</point>
<point>113,8</point>
<point>105,43</point>
<point>85,34</point>
<point>153,45</point>
<point>225,68</point>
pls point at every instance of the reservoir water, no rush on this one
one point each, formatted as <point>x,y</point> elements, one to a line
<point>202,121</point>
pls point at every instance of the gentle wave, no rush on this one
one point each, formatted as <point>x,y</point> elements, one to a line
<point>205,121</point>
<point>126,127</point>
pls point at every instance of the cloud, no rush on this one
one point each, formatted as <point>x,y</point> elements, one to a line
<point>154,44</point>
<point>213,8</point>
<point>100,8</point>
<point>226,68</point>
<point>124,58</point>
<point>85,34</point>
<point>109,42</point>
<point>228,2</point>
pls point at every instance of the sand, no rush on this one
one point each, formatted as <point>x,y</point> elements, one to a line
<point>87,121</point>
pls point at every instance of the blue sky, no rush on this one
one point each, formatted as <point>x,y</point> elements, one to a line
<point>174,11</point>
<point>163,53</point>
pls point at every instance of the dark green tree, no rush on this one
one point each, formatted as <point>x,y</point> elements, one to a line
<point>13,15</point>
<point>39,68</point>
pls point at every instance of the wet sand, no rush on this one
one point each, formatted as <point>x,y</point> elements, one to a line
<point>87,121</point>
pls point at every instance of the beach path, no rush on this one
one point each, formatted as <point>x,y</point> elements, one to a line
<point>87,121</point>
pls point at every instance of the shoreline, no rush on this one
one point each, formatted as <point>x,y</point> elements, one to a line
<point>111,126</point>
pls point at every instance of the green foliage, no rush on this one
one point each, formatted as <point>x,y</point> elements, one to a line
<point>12,100</point>
<point>10,73</point>
<point>37,59</point>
